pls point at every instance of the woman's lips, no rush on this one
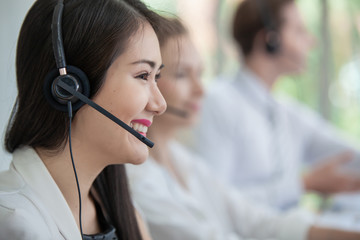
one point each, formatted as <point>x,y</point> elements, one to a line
<point>141,125</point>
<point>144,122</point>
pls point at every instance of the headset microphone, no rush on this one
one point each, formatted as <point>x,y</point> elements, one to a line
<point>176,111</point>
<point>86,100</point>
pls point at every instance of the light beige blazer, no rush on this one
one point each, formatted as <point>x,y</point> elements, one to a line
<point>32,206</point>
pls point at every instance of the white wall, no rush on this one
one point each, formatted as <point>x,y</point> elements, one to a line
<point>12,13</point>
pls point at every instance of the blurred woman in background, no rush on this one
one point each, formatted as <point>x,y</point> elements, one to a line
<point>179,196</point>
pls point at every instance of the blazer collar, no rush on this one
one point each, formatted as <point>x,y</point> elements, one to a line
<point>29,165</point>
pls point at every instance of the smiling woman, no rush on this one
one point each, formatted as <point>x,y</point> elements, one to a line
<point>115,43</point>
<point>129,92</point>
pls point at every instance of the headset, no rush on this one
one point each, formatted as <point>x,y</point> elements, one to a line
<point>272,36</point>
<point>67,88</point>
<point>69,83</point>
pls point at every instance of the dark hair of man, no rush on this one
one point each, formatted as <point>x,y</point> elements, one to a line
<point>248,21</point>
<point>95,33</point>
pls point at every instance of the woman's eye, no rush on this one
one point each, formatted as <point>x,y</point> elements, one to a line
<point>143,76</point>
<point>157,77</point>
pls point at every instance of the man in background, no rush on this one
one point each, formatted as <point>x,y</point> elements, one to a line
<point>259,143</point>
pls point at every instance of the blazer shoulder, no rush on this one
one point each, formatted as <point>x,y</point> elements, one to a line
<point>11,181</point>
<point>20,217</point>
<point>21,223</point>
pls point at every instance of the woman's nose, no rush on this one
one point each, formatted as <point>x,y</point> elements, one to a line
<point>198,87</point>
<point>157,103</point>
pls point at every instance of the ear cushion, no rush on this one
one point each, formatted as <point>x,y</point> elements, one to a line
<point>272,42</point>
<point>84,88</point>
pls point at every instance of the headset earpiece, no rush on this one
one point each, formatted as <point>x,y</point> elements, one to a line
<point>58,97</point>
<point>272,37</point>
<point>70,75</point>
<point>272,41</point>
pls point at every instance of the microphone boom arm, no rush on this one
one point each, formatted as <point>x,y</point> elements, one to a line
<point>97,107</point>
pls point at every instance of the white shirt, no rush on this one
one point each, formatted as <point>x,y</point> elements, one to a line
<point>207,209</point>
<point>32,207</point>
<point>258,143</point>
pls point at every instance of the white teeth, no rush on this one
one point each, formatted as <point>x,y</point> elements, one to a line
<point>139,127</point>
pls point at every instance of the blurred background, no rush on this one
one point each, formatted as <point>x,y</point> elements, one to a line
<point>330,85</point>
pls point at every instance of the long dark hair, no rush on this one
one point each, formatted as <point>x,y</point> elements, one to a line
<point>95,32</point>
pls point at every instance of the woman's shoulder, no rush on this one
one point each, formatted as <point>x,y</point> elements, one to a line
<point>13,187</point>
<point>20,218</point>
<point>23,214</point>
<point>10,181</point>
<point>19,222</point>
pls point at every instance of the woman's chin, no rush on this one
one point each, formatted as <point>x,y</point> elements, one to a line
<point>141,157</point>
<point>138,162</point>
<point>140,151</point>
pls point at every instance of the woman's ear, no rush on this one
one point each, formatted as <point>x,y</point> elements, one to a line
<point>266,42</point>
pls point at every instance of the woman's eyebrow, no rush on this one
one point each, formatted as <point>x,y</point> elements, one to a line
<point>151,63</point>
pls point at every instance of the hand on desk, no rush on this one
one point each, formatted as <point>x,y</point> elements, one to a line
<point>329,178</point>
<point>320,233</point>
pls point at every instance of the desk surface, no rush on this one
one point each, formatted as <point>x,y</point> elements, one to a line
<point>342,213</point>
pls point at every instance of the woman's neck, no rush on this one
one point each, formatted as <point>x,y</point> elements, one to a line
<point>60,167</point>
<point>264,68</point>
